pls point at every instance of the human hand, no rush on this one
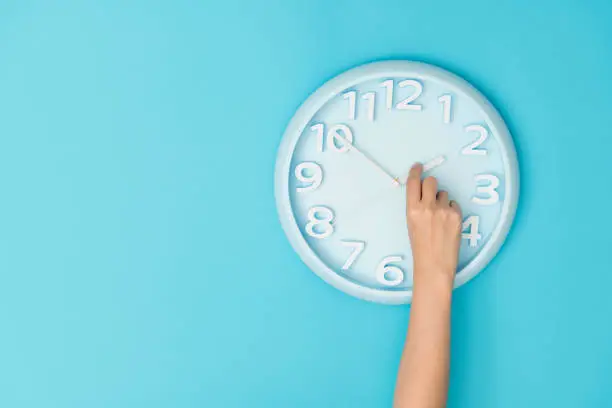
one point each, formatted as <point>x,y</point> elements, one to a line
<point>434,226</point>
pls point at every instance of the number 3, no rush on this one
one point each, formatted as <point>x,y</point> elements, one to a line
<point>493,195</point>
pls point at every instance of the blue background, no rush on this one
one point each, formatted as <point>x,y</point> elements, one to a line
<point>142,263</point>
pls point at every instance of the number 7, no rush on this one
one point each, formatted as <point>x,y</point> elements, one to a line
<point>358,247</point>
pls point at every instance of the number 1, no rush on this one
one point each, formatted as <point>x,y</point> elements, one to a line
<point>319,129</point>
<point>389,85</point>
<point>371,98</point>
<point>446,101</point>
<point>351,96</point>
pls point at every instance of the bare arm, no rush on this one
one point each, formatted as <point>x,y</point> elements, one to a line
<point>434,224</point>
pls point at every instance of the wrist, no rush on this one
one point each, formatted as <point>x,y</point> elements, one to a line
<point>435,281</point>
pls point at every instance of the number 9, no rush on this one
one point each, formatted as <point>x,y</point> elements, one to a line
<point>309,173</point>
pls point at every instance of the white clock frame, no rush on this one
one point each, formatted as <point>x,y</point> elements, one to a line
<point>334,87</point>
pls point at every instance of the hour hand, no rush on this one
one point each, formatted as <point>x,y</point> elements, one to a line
<point>432,164</point>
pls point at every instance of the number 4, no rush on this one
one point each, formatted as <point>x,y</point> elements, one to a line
<point>471,224</point>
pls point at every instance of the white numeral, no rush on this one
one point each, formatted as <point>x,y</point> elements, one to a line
<point>406,104</point>
<point>388,84</point>
<point>471,224</point>
<point>334,133</point>
<point>320,222</point>
<point>358,247</point>
<point>489,189</point>
<point>315,177</point>
<point>471,148</point>
<point>390,275</point>
<point>446,101</point>
<point>371,98</point>
<point>351,96</point>
<point>319,129</point>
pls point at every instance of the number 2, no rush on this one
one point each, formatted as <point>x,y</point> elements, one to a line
<point>407,104</point>
<point>472,148</point>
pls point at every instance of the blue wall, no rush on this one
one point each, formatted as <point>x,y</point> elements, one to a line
<point>141,260</point>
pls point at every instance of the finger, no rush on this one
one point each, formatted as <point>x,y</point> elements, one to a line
<point>430,189</point>
<point>443,198</point>
<point>413,184</point>
<point>455,206</point>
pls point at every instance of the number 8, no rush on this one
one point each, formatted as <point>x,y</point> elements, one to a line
<point>320,216</point>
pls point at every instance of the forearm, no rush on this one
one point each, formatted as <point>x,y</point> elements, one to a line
<point>434,225</point>
<point>423,375</point>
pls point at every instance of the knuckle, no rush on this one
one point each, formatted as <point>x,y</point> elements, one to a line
<point>445,213</point>
<point>454,216</point>
<point>414,211</point>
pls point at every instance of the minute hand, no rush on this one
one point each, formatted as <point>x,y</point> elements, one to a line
<point>354,148</point>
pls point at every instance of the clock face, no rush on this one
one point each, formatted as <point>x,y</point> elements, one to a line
<point>345,157</point>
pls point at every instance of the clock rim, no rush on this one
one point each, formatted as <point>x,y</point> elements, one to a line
<point>352,77</point>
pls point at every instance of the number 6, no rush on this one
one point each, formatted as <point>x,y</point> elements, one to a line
<point>390,275</point>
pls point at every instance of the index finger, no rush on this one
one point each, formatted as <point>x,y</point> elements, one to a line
<point>413,184</point>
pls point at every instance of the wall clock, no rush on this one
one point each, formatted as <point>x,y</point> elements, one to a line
<point>344,159</point>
